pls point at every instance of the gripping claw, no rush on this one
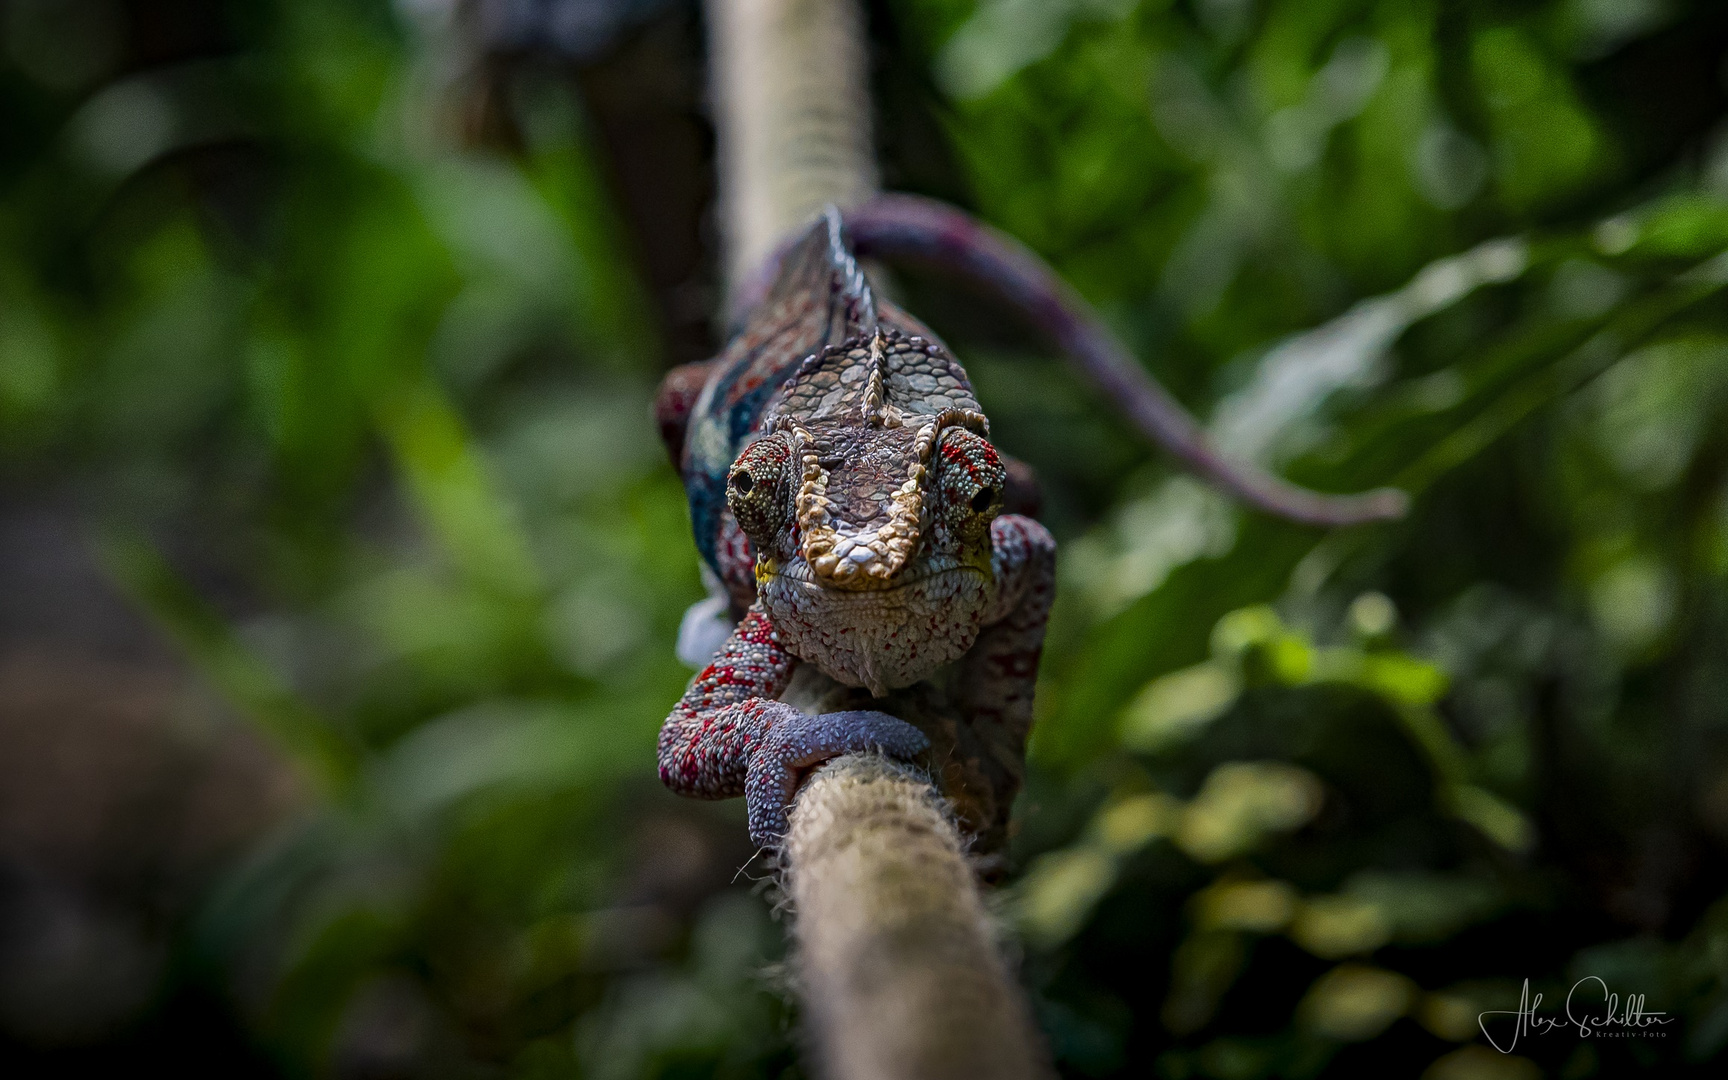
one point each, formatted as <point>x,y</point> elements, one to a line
<point>799,743</point>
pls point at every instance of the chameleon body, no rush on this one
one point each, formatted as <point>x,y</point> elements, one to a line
<point>847,499</point>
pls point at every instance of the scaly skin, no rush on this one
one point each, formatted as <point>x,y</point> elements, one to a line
<point>844,491</point>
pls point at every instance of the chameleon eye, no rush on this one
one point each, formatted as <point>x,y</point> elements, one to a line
<point>970,479</point>
<point>756,490</point>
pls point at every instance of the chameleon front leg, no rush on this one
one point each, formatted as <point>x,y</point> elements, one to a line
<point>1000,670</point>
<point>728,735</point>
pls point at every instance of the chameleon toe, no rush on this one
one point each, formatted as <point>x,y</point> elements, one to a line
<point>792,747</point>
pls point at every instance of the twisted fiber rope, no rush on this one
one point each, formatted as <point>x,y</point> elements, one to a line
<point>900,970</point>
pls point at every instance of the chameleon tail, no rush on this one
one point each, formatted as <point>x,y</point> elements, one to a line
<point>908,227</point>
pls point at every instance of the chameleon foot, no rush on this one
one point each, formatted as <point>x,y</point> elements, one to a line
<point>798,743</point>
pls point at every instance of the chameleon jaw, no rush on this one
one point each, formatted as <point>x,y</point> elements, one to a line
<point>869,558</point>
<point>882,638</point>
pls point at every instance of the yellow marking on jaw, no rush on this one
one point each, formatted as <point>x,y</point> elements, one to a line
<point>981,560</point>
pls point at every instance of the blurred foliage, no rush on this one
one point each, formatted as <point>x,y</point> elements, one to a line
<point>360,411</point>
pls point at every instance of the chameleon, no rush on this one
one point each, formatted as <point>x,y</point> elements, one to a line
<point>854,519</point>
<point>846,496</point>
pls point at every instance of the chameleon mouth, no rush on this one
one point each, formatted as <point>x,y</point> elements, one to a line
<point>800,572</point>
<point>881,638</point>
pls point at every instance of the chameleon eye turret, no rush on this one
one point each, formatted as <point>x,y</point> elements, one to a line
<point>756,490</point>
<point>970,482</point>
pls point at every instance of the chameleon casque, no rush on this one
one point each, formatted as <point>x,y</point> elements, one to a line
<point>846,497</point>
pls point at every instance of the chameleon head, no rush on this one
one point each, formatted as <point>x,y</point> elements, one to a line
<point>873,540</point>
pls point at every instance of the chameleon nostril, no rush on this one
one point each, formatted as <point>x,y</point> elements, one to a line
<point>981,501</point>
<point>742,483</point>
